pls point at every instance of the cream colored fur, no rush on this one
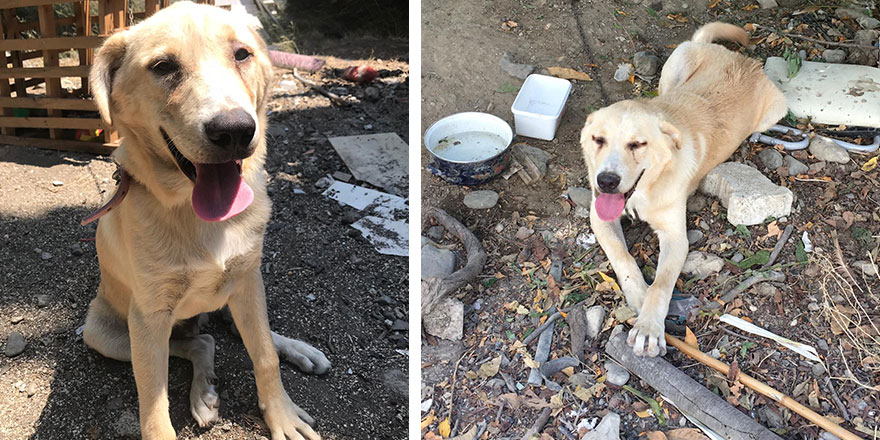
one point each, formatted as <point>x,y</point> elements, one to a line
<point>710,99</point>
<point>161,264</point>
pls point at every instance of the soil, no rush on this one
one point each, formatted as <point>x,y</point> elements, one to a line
<point>461,50</point>
<point>325,284</point>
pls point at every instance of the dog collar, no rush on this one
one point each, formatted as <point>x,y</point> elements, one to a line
<point>124,183</point>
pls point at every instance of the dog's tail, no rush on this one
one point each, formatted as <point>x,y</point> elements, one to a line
<point>720,31</point>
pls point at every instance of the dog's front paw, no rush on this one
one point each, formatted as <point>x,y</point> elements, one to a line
<point>647,338</point>
<point>288,421</point>
<point>307,358</point>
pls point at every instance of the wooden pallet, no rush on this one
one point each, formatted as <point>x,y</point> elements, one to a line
<point>35,108</point>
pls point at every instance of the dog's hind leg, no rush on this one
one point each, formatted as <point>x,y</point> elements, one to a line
<point>107,333</point>
<point>678,68</point>
<point>307,358</point>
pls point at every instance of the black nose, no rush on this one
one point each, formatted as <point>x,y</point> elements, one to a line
<point>233,131</point>
<point>608,182</point>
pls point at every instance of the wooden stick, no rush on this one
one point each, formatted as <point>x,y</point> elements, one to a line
<point>764,389</point>
<point>688,395</point>
<point>779,244</point>
<point>333,97</point>
<point>739,288</point>
<point>539,424</point>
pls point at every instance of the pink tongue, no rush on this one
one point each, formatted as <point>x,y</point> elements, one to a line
<point>220,193</point>
<point>609,206</point>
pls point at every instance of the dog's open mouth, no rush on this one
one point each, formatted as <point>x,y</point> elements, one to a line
<point>610,206</point>
<point>219,192</point>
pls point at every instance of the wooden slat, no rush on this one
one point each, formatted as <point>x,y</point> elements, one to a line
<point>5,87</point>
<point>59,43</point>
<point>9,4</point>
<point>48,29</point>
<point>47,103</point>
<point>61,144</point>
<point>45,72</point>
<point>151,7</point>
<point>28,122</point>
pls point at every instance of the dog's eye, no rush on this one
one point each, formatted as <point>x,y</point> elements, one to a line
<point>242,54</point>
<point>164,67</point>
<point>634,145</point>
<point>600,141</point>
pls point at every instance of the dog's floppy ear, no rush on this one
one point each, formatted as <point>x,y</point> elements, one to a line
<point>673,133</point>
<point>107,61</point>
<point>586,126</point>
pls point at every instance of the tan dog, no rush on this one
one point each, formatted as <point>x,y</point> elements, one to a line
<point>187,89</point>
<point>648,156</point>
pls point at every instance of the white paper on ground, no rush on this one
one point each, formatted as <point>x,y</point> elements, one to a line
<point>360,198</point>
<point>389,237</point>
<point>802,349</point>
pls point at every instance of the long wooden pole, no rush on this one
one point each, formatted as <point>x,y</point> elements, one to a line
<point>764,389</point>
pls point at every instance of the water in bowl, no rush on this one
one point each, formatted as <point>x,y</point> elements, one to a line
<point>470,146</point>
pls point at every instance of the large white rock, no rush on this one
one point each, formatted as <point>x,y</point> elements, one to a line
<point>748,195</point>
<point>446,320</point>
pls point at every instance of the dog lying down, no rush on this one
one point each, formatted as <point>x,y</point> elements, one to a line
<point>647,156</point>
<point>187,89</point>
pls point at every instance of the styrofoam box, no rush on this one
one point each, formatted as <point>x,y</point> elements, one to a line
<point>538,106</point>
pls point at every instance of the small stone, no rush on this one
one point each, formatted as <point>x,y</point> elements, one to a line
<point>618,329</point>
<point>16,319</point>
<point>385,300</point>
<point>818,369</point>
<point>813,307</point>
<point>835,56</point>
<point>768,4</point>
<point>323,182</point>
<point>446,320</point>
<point>823,345</point>
<point>646,63</point>
<point>32,389</point>
<point>771,158</point>
<point>624,70</point>
<point>15,344</point>
<point>339,175</point>
<point>615,374</point>
<point>580,196</point>
<point>311,297</point>
<point>371,94</point>
<point>696,203</point>
<point>515,70</point>
<point>826,149</point>
<point>400,325</point>
<point>737,257</point>
<point>825,435</point>
<point>702,264</point>
<point>868,57</point>
<point>436,262</point>
<point>523,233</point>
<point>795,166</point>
<point>46,256</point>
<point>76,250</point>
<point>595,318</point>
<point>482,199</point>
<point>866,267</point>
<point>608,429</point>
<point>694,235</point>
<point>817,167</point>
<point>436,232</point>
<point>43,300</point>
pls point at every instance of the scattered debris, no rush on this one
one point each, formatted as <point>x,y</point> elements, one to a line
<point>748,195</point>
<point>380,159</point>
<point>515,70</point>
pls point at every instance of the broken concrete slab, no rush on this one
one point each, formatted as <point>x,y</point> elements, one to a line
<point>829,93</point>
<point>749,196</point>
<point>446,320</point>
<point>380,159</point>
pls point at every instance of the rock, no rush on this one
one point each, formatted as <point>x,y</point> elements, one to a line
<point>850,13</point>
<point>825,435</point>
<point>43,300</point>
<point>818,369</point>
<point>126,424</point>
<point>385,300</point>
<point>371,94</point>
<point>615,374</point>
<point>737,257</point>
<point>400,325</point>
<point>772,418</point>
<point>16,319</point>
<point>748,195</point>
<point>436,232</point>
<point>608,429</point>
<point>342,176</point>
<point>768,4</point>
<point>618,329</point>
<point>533,161</point>
<point>446,320</point>
<point>866,267</point>
<point>814,307</point>
<point>795,166</point>
<point>582,379</point>
<point>554,366</point>
<point>32,389</point>
<point>835,56</point>
<point>76,250</point>
<point>323,182</point>
<point>15,344</point>
<point>437,263</point>
<point>523,233</point>
<point>771,158</point>
<point>646,63</point>
<point>515,70</point>
<point>867,57</point>
<point>696,203</point>
<point>702,264</point>
<point>580,196</point>
<point>46,256</point>
<point>694,235</point>
<point>482,199</point>
<point>825,149</point>
<point>817,167</point>
<point>595,320</point>
<point>868,22</point>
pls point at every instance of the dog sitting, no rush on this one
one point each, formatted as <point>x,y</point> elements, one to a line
<point>647,156</point>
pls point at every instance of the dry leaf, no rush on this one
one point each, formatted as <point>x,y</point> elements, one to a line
<point>444,428</point>
<point>645,413</point>
<point>470,435</point>
<point>655,435</point>
<point>686,434</point>
<point>427,421</point>
<point>690,338</point>
<point>870,164</point>
<point>490,369</point>
<point>608,279</point>
<point>566,73</point>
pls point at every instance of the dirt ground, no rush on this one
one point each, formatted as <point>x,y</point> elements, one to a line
<point>817,304</point>
<point>325,284</point>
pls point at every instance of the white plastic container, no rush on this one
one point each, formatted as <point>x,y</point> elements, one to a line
<point>538,106</point>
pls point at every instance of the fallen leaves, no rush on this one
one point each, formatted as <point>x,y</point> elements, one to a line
<point>490,369</point>
<point>567,73</point>
<point>690,338</point>
<point>444,428</point>
<point>870,164</point>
